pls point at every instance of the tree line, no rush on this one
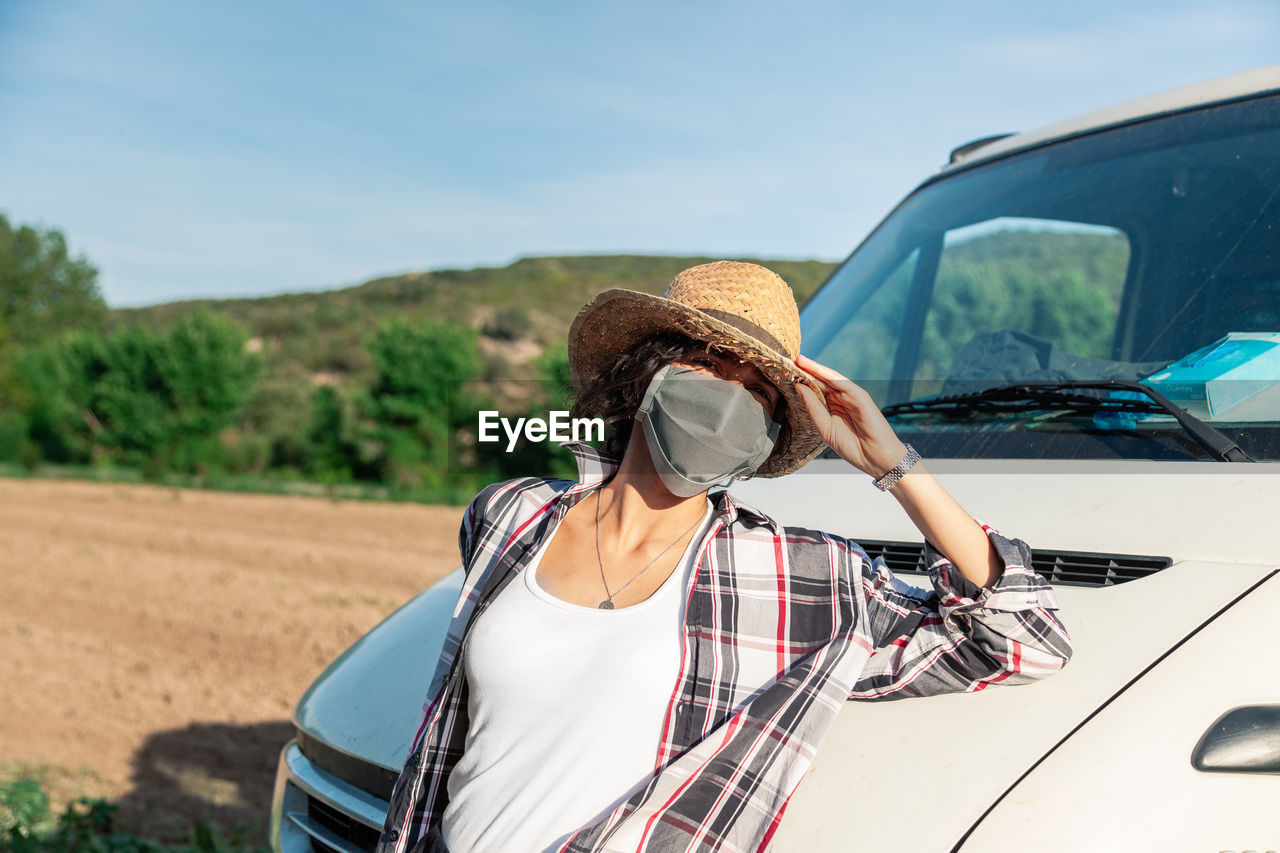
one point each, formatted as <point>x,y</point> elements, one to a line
<point>328,390</point>
<point>190,399</point>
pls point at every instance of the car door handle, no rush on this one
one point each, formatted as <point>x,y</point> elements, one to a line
<point>1243,740</point>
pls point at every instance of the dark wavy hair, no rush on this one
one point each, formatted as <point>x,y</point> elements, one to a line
<point>615,393</point>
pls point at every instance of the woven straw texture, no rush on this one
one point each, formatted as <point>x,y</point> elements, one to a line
<point>741,308</point>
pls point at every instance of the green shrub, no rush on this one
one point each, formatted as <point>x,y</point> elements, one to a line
<point>510,324</point>
<point>88,826</point>
<point>13,436</point>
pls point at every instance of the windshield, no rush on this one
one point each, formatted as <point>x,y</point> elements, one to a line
<point>1144,253</point>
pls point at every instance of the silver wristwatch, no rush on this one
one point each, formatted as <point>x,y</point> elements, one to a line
<point>888,481</point>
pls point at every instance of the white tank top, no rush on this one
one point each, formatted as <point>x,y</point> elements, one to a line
<point>565,707</point>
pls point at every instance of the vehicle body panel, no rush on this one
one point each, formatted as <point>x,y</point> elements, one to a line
<point>949,757</point>
<point>894,758</point>
<point>1112,506</point>
<point>1127,776</point>
<point>383,676</point>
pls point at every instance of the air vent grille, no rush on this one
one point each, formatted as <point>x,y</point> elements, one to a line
<point>347,828</point>
<point>1082,568</point>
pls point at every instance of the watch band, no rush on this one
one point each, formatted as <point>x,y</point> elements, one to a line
<point>889,480</point>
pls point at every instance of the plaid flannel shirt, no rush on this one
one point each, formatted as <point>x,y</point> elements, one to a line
<point>783,625</point>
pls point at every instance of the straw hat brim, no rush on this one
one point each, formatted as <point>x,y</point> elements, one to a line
<point>616,320</point>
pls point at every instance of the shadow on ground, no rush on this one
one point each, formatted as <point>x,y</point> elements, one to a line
<point>220,772</point>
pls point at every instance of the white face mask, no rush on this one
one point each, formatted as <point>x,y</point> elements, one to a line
<point>702,430</point>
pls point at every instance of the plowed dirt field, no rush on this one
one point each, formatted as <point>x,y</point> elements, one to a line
<point>154,640</point>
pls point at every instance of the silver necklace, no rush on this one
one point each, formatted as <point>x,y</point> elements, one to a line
<point>607,604</point>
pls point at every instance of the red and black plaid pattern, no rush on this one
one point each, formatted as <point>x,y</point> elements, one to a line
<point>783,625</point>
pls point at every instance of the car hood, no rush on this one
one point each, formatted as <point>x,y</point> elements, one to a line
<point>937,763</point>
<point>934,764</point>
<point>368,702</point>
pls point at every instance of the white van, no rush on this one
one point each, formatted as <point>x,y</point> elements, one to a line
<point>1079,329</point>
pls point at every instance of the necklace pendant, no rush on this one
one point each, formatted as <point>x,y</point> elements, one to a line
<point>606,605</point>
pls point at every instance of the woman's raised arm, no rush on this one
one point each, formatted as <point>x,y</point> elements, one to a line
<point>851,423</point>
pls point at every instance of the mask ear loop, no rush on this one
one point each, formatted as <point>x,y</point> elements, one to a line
<point>646,403</point>
<point>774,429</point>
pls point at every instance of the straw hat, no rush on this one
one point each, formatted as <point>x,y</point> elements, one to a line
<point>740,308</point>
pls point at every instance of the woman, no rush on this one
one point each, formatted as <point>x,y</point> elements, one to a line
<point>638,661</point>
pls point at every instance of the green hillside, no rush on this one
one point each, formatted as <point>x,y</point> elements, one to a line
<point>373,387</point>
<point>519,310</point>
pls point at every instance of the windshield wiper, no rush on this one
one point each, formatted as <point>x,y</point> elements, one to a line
<point>1037,396</point>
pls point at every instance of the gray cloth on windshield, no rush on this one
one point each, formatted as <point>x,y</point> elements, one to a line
<point>991,359</point>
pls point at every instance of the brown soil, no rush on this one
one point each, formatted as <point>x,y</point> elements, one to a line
<point>153,640</point>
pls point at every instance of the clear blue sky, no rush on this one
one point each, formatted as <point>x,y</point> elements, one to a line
<point>235,148</point>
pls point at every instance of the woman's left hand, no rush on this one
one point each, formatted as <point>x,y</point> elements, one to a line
<point>849,420</point>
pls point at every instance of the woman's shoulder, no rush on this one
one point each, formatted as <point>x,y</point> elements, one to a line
<point>503,507</point>
<point>800,541</point>
<point>502,496</point>
<point>747,517</point>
